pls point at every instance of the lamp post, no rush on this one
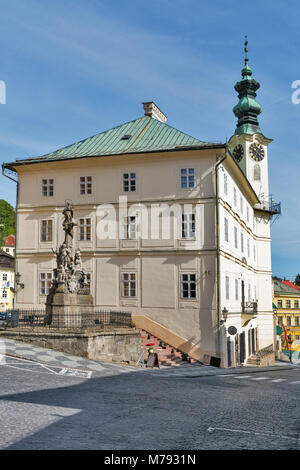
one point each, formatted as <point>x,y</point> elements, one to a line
<point>224,315</point>
<point>18,278</point>
<point>290,341</point>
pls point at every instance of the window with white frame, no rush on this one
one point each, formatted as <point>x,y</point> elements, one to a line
<point>84,229</point>
<point>235,237</point>
<point>254,252</point>
<point>242,242</point>
<point>288,304</point>
<point>241,205</point>
<point>188,286</point>
<point>45,283</point>
<point>227,287</point>
<point>129,228</point>
<point>129,284</point>
<point>187,177</point>
<point>46,230</point>
<point>225,184</point>
<point>236,289</point>
<point>4,277</point>
<point>249,292</point>
<point>226,229</point>
<point>248,247</point>
<point>85,185</point>
<point>48,187</point>
<point>4,294</point>
<point>188,225</point>
<point>129,182</point>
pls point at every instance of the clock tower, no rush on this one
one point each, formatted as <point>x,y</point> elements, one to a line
<point>248,145</point>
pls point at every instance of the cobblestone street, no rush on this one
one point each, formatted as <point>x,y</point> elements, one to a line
<point>57,406</point>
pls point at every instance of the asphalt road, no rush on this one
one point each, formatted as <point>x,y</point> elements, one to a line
<point>45,408</point>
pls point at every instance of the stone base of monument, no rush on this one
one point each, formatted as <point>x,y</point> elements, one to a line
<point>69,310</point>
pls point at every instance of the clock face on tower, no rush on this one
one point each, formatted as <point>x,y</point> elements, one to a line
<point>238,152</point>
<point>256,152</point>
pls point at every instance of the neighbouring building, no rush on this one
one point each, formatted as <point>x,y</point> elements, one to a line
<point>6,281</point>
<point>287,312</point>
<point>206,286</point>
<point>9,245</point>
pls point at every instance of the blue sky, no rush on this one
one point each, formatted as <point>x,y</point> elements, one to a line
<point>74,68</point>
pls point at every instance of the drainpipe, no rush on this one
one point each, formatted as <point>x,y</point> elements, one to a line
<point>16,234</point>
<point>218,253</point>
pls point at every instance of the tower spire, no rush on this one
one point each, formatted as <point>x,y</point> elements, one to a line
<point>247,108</point>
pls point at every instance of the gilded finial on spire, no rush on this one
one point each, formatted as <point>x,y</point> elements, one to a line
<point>246,50</point>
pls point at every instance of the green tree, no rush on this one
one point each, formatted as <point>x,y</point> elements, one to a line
<point>297,280</point>
<point>7,220</point>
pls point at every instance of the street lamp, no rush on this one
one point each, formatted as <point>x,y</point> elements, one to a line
<point>18,278</point>
<point>224,315</point>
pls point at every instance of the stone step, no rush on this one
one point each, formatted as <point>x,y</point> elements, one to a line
<point>167,354</point>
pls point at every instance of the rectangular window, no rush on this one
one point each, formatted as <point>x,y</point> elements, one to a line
<point>227,287</point>
<point>242,205</point>
<point>288,304</point>
<point>254,253</point>
<point>84,229</point>
<point>296,303</point>
<point>45,283</point>
<point>236,289</point>
<point>279,320</point>
<point>297,321</point>
<point>85,185</point>
<point>129,228</point>
<point>288,321</point>
<point>129,182</point>
<point>249,292</point>
<point>188,286</point>
<point>4,277</point>
<point>235,237</point>
<point>129,284</point>
<point>279,303</point>
<point>225,184</point>
<point>248,247</point>
<point>242,242</point>
<point>187,178</point>
<point>234,197</point>
<point>48,187</point>
<point>188,225</point>
<point>226,229</point>
<point>46,230</point>
<point>247,214</point>
<point>4,294</point>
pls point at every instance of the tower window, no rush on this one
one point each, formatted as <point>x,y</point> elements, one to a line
<point>256,173</point>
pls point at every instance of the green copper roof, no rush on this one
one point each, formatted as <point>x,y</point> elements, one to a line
<point>247,108</point>
<point>145,134</point>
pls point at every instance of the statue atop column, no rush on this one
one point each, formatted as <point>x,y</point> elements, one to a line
<point>70,293</point>
<point>69,275</point>
<point>68,224</point>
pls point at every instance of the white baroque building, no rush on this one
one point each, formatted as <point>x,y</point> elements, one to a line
<point>205,287</point>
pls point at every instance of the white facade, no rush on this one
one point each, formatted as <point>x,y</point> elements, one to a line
<point>175,283</point>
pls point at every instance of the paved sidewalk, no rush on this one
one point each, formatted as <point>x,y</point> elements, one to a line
<point>55,358</point>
